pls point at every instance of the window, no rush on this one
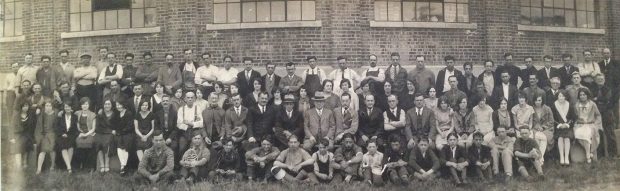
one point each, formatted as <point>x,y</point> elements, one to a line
<point>88,15</point>
<point>11,18</point>
<point>422,10</point>
<point>252,11</point>
<point>560,13</point>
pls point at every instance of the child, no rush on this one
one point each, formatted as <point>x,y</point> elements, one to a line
<point>260,159</point>
<point>372,165</point>
<point>395,158</point>
<point>454,159</point>
<point>194,159</point>
<point>45,136</point>
<point>527,154</point>
<point>423,162</point>
<point>480,157</point>
<point>226,162</point>
<point>323,163</point>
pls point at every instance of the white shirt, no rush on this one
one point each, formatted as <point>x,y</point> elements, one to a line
<point>193,114</point>
<point>489,82</point>
<point>238,110</point>
<point>315,71</point>
<point>419,111</point>
<point>68,121</point>
<point>227,75</point>
<point>9,82</point>
<point>319,111</point>
<point>336,76</point>
<point>118,74</point>
<point>505,89</point>
<point>189,67</point>
<point>289,114</point>
<point>381,74</point>
<point>206,72</point>
<point>446,83</point>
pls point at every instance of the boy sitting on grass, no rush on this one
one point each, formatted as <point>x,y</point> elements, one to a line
<point>480,157</point>
<point>372,165</point>
<point>423,162</point>
<point>323,163</point>
<point>395,157</point>
<point>527,154</point>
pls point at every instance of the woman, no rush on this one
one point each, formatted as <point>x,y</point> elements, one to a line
<point>66,132</point>
<point>587,123</point>
<point>107,123</point>
<point>523,113</point>
<point>381,100</point>
<point>445,123</point>
<point>564,115</point>
<point>366,90</point>
<point>345,86</point>
<point>177,101</point>
<point>252,98</point>
<point>218,88</point>
<point>84,142</point>
<point>331,100</point>
<point>22,134</point>
<point>482,120</point>
<point>276,101</point>
<point>37,99</point>
<point>406,100</point>
<point>303,103</point>
<point>160,91</point>
<point>503,118</point>
<point>542,125</point>
<point>200,102</point>
<point>431,100</point>
<point>124,134</point>
<point>44,135</point>
<point>144,124</point>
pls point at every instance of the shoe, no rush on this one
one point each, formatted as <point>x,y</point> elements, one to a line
<point>123,172</point>
<point>69,171</point>
<point>507,179</point>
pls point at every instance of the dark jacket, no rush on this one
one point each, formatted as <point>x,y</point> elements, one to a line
<point>441,75</point>
<point>370,124</point>
<point>261,124</point>
<point>245,85</point>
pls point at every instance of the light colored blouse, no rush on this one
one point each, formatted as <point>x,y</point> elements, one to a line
<point>588,113</point>
<point>523,115</point>
<point>482,119</point>
<point>543,118</point>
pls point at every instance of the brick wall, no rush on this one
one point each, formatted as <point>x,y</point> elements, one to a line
<point>345,31</point>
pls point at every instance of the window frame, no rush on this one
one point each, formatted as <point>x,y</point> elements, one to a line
<point>575,9</point>
<point>15,20</point>
<point>256,20</point>
<point>429,3</point>
<point>130,16</point>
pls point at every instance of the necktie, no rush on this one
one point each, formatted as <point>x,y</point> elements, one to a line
<point>237,111</point>
<point>247,76</point>
<point>290,114</point>
<point>262,109</point>
<point>343,74</point>
<point>137,103</point>
<point>394,72</point>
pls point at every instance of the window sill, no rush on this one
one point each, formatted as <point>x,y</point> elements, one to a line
<point>13,38</point>
<point>287,24</point>
<point>560,29</point>
<point>109,32</point>
<point>439,25</point>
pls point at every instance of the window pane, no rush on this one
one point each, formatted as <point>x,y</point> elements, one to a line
<point>150,17</point>
<point>219,13</point>
<point>86,22</point>
<point>137,18</point>
<point>558,4</point>
<point>591,20</point>
<point>278,11</point>
<point>558,18</point>
<point>590,6</point>
<point>123,19</point>
<point>249,12</point>
<point>548,3</point>
<point>137,4</point>
<point>293,10</point>
<point>422,11</point>
<point>9,29</point>
<point>233,13</point>
<point>219,1</point>
<point>463,11</point>
<point>548,16</point>
<point>536,16</point>
<point>74,6</point>
<point>436,12</point>
<point>85,6</point>
<point>525,15</point>
<point>570,18</point>
<point>463,1</point>
<point>111,19</point>
<point>525,2</point>
<point>450,9</point>
<point>569,4</point>
<point>18,27</point>
<point>263,11</point>
<point>536,3</point>
<point>581,5</point>
<point>149,3</point>
<point>307,10</point>
<point>451,1</point>
<point>99,20</point>
<point>9,10</point>
<point>18,10</point>
<point>394,11</point>
<point>408,11</point>
<point>111,4</point>
<point>74,20</point>
<point>380,11</point>
<point>582,19</point>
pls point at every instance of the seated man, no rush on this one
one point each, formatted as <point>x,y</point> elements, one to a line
<point>480,157</point>
<point>347,158</point>
<point>260,159</point>
<point>501,146</point>
<point>454,158</point>
<point>157,163</point>
<point>226,163</point>
<point>195,158</point>
<point>372,165</point>
<point>323,163</point>
<point>395,157</point>
<point>423,162</point>
<point>527,154</point>
<point>294,161</point>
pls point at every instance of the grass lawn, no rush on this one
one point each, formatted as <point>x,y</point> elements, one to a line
<point>604,175</point>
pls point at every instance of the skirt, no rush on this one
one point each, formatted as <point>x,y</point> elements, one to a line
<point>23,144</point>
<point>584,132</point>
<point>125,142</point>
<point>103,142</point>
<point>63,143</point>
<point>143,145</point>
<point>564,133</point>
<point>84,142</point>
<point>45,142</point>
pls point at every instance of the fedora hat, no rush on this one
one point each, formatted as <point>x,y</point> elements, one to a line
<point>289,98</point>
<point>318,96</point>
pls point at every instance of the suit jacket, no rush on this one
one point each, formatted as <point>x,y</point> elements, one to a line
<point>319,126</point>
<point>296,81</point>
<point>276,82</point>
<point>61,127</point>
<point>245,85</point>
<point>370,124</point>
<point>612,68</point>
<point>213,119</point>
<point>469,90</point>
<point>565,76</point>
<point>498,95</point>
<point>544,81</point>
<point>551,97</point>
<point>343,126</point>
<point>249,100</point>
<point>399,80</point>
<point>514,71</point>
<point>525,76</point>
<point>261,124</point>
<point>445,154</point>
<point>441,75</point>
<point>294,124</point>
<point>416,131</point>
<point>171,130</point>
<point>483,156</point>
<point>233,121</point>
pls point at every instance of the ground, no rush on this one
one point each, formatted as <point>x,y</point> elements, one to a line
<point>603,175</point>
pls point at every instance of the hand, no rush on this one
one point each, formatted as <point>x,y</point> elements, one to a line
<point>296,168</point>
<point>168,141</point>
<point>219,171</point>
<point>38,111</point>
<point>339,136</point>
<point>64,135</point>
<point>287,133</point>
<point>144,139</point>
<point>230,172</point>
<point>252,140</point>
<point>153,178</point>
<point>262,164</point>
<point>411,143</point>
<point>207,140</point>
<point>113,132</point>
<point>365,138</point>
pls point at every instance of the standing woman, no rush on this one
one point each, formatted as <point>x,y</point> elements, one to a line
<point>587,123</point>
<point>445,123</point>
<point>564,115</point>
<point>366,90</point>
<point>66,132</point>
<point>523,113</point>
<point>125,134</point>
<point>250,99</point>
<point>543,121</point>
<point>431,100</point>
<point>201,103</point>
<point>44,135</point>
<point>503,118</point>
<point>177,101</point>
<point>482,120</point>
<point>86,130</point>
<point>345,86</point>
<point>104,134</point>
<point>144,127</point>
<point>22,134</point>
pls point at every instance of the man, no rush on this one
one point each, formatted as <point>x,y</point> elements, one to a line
<point>147,74</point>
<point>346,118</point>
<point>112,72</point>
<point>245,77</point>
<point>28,71</point>
<point>291,82</point>
<point>588,69</point>
<point>468,81</point>
<point>545,74</point>
<point>501,151</point>
<point>260,160</point>
<point>514,71</point>
<point>423,162</point>
<point>454,95</point>
<point>157,163</point>
<point>138,97</point>
<point>166,121</point>
<point>289,121</point>
<point>374,74</point>
<point>602,95</point>
<point>66,67</point>
<point>370,123</point>
<point>533,91</point>
<point>213,118</point>
<point>227,75</point>
<point>188,70</point>
<point>443,85</point>
<point>552,92</point>
<point>527,154</point>
<point>129,74</point>
<point>84,77</point>
<point>396,157</point>
<point>102,62</point>
<point>480,157</point>
<point>488,77</point>
<point>294,161</point>
<point>527,72</point>
<point>48,76</point>
<point>236,120</point>
<point>418,121</point>
<point>505,90</point>
<point>115,93</point>
<point>12,92</point>
<point>573,89</point>
<point>170,75</point>
<point>206,74</point>
<point>313,77</point>
<point>424,78</point>
<point>189,119</point>
<point>610,68</point>
<point>565,72</point>
<point>271,81</point>
<point>343,72</point>
<point>348,158</point>
<point>262,117</point>
<point>318,123</point>
<point>394,119</point>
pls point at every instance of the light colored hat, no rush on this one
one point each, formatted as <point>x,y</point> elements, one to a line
<point>278,173</point>
<point>318,96</point>
<point>85,55</point>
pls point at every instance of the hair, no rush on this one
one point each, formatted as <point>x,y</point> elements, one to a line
<point>63,51</point>
<point>247,59</point>
<point>566,55</point>
<point>418,95</point>
<point>507,54</point>
<point>103,47</point>
<point>586,91</point>
<point>521,95</point>
<point>443,99</point>
<point>524,127</point>
<point>529,58</point>
<point>468,63</point>
<point>587,50</point>
<point>323,141</point>
<point>109,53</point>
<point>84,100</point>
<point>423,139</point>
<point>290,64</point>
<point>491,61</point>
<point>348,135</point>
<point>111,102</point>
<point>227,140</point>
<point>187,50</point>
<point>327,81</point>
<point>293,136</point>
<point>345,81</point>
<point>393,54</point>
<point>206,53</point>
<point>478,135</point>
<point>341,58</point>
<point>563,92</point>
<point>148,103</point>
<point>548,57</point>
<point>147,53</point>
<point>453,134</point>
<point>228,57</point>
<point>262,93</point>
<point>448,58</point>
<point>46,57</point>
<point>130,55</point>
<point>345,94</point>
<point>394,138</point>
<point>371,55</point>
<point>310,58</point>
<point>169,54</point>
<point>419,56</point>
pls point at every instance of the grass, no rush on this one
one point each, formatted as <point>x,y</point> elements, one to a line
<point>604,175</point>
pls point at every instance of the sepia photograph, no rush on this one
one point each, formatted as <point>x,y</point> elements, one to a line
<point>318,95</point>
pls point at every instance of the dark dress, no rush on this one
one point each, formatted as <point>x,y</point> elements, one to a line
<point>125,130</point>
<point>144,126</point>
<point>103,131</point>
<point>570,118</point>
<point>70,129</point>
<point>23,133</point>
<point>406,101</point>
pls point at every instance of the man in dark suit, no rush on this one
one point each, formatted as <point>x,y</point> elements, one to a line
<point>509,66</point>
<point>213,119</point>
<point>395,74</point>
<point>611,69</point>
<point>545,74</point>
<point>442,85</point>
<point>552,92</point>
<point>167,122</point>
<point>370,123</point>
<point>487,77</point>
<point>565,72</point>
<point>526,72</point>
<point>236,120</point>
<point>270,80</point>
<point>244,78</point>
<point>418,121</point>
<point>468,81</point>
<point>138,97</point>
<point>262,121</point>
<point>346,118</point>
<point>289,121</point>
<point>505,90</point>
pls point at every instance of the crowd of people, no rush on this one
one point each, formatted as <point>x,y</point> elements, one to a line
<point>197,120</point>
